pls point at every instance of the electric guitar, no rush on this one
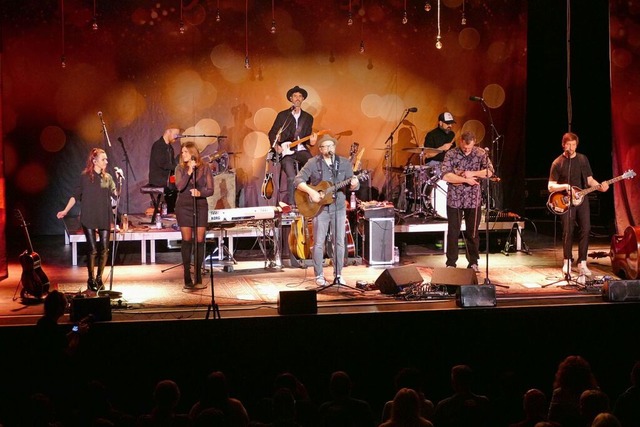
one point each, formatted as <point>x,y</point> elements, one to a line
<point>308,208</point>
<point>34,280</point>
<point>559,201</point>
<point>288,145</point>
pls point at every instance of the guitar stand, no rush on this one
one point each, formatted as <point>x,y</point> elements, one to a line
<point>508,245</point>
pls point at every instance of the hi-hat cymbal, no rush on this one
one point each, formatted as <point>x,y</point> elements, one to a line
<point>425,150</point>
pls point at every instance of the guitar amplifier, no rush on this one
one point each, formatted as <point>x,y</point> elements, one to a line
<point>377,210</point>
<point>378,241</point>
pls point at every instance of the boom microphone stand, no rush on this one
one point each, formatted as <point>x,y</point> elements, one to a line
<point>111,293</point>
<point>389,154</point>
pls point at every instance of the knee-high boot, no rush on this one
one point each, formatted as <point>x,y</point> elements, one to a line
<point>91,264</point>
<point>104,255</point>
<point>198,263</point>
<point>185,250</point>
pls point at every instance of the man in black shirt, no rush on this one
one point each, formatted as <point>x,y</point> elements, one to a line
<point>440,138</point>
<point>162,165</point>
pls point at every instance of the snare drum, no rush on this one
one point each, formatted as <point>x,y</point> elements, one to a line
<point>438,198</point>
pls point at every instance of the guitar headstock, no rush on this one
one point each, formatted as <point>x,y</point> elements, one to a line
<point>628,174</point>
<point>362,175</point>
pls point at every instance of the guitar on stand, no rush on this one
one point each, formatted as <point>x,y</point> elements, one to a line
<point>34,280</point>
<point>267,184</point>
<point>559,201</point>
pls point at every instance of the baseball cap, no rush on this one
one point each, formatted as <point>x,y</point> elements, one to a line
<point>446,117</point>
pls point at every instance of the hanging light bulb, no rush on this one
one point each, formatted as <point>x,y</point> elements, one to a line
<point>463,21</point>
<point>63,62</point>
<point>361,46</point>
<point>94,25</point>
<point>405,19</point>
<point>438,43</point>
<point>182,28</point>
<point>273,26</point>
<point>350,20</point>
<point>218,18</point>
<point>246,63</point>
<point>427,6</point>
<point>370,64</point>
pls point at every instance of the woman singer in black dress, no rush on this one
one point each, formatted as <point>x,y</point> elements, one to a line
<point>190,160</point>
<point>94,190</point>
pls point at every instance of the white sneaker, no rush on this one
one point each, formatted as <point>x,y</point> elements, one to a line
<point>340,280</point>
<point>320,281</point>
<point>583,270</point>
<point>566,267</point>
<point>475,268</point>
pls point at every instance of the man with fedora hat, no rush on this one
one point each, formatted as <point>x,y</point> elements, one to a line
<point>441,138</point>
<point>290,125</point>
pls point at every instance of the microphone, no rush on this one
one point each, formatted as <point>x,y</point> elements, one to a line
<point>476,99</point>
<point>100,115</point>
<point>120,140</point>
<point>412,109</point>
<point>178,136</point>
<point>119,173</point>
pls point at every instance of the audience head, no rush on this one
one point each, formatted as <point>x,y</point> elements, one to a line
<point>284,405</point>
<point>409,378</point>
<point>166,395</point>
<point>535,404</point>
<point>461,378</point>
<point>635,374</point>
<point>592,403</point>
<point>574,374</point>
<point>340,384</point>
<point>215,388</point>
<point>606,420</point>
<point>406,405</point>
<point>290,382</point>
<point>54,304</point>
<point>210,417</point>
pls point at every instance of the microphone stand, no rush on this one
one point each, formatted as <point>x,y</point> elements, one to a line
<point>128,168</point>
<point>496,149</point>
<point>487,280</point>
<point>389,157</point>
<point>111,293</point>
<point>194,239</point>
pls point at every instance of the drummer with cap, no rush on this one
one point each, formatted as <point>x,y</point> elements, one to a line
<point>440,138</point>
<point>290,125</point>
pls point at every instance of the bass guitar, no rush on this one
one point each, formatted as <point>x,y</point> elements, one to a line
<point>559,201</point>
<point>34,280</point>
<point>308,208</point>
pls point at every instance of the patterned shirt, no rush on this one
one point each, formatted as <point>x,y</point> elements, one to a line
<point>455,161</point>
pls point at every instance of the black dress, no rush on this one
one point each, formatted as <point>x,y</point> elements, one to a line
<point>184,204</point>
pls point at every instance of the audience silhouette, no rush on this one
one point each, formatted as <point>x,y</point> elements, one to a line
<point>573,377</point>
<point>406,410</point>
<point>166,397</point>
<point>410,378</point>
<point>342,409</point>
<point>215,395</point>
<point>464,408</point>
<point>536,408</point>
<point>627,406</point>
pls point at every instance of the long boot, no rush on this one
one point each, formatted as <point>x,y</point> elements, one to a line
<point>104,255</point>
<point>91,263</point>
<point>185,250</point>
<point>198,263</point>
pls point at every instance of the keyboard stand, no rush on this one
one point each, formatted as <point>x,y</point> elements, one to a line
<point>156,194</point>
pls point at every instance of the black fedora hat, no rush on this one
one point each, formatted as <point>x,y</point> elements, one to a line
<point>296,89</point>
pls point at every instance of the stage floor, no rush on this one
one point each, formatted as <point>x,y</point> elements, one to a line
<point>155,291</point>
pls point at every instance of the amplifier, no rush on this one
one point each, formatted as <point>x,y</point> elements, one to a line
<point>378,241</point>
<point>377,210</point>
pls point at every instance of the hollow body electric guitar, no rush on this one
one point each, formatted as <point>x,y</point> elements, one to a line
<point>559,201</point>
<point>34,280</point>
<point>308,208</point>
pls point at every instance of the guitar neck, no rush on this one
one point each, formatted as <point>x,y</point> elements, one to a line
<point>586,191</point>
<point>337,186</point>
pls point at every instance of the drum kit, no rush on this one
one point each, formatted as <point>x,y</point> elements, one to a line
<point>424,188</point>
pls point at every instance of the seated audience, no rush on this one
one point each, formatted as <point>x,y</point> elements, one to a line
<point>573,376</point>
<point>405,411</point>
<point>535,408</point>
<point>215,395</point>
<point>166,397</point>
<point>342,409</point>
<point>410,378</point>
<point>627,406</point>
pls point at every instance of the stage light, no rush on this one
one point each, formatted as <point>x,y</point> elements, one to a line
<point>427,6</point>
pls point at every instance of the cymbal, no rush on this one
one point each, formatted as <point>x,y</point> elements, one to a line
<point>425,150</point>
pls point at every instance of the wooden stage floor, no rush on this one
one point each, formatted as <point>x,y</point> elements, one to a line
<point>154,291</point>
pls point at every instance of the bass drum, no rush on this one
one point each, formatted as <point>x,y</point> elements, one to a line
<point>437,199</point>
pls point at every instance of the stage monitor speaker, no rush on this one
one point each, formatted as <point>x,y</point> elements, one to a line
<point>379,241</point>
<point>393,280</point>
<point>621,290</point>
<point>453,277</point>
<point>98,307</point>
<point>476,296</point>
<point>298,302</point>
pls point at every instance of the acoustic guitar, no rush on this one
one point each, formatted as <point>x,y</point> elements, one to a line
<point>559,201</point>
<point>34,280</point>
<point>308,208</point>
<point>300,240</point>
